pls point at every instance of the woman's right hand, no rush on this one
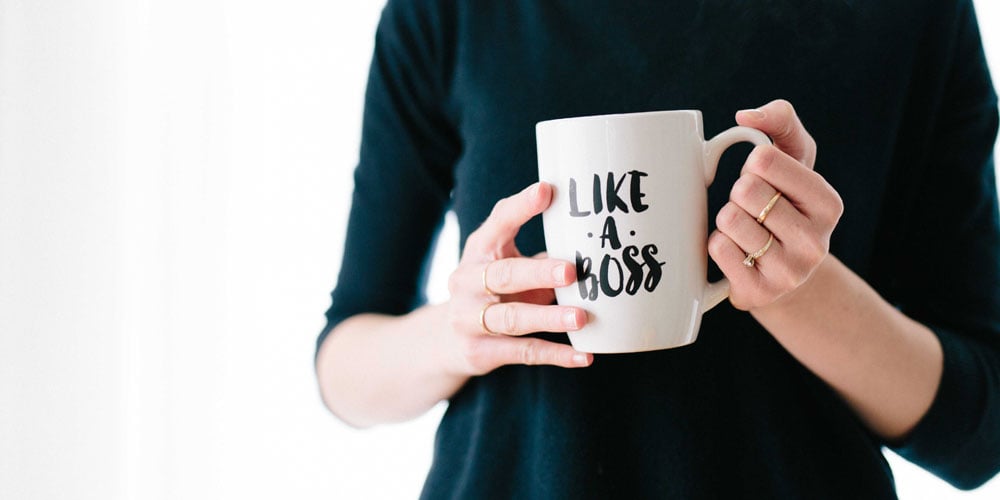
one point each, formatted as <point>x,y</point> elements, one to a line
<point>498,295</point>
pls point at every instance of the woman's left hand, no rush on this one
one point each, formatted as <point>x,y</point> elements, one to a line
<point>801,219</point>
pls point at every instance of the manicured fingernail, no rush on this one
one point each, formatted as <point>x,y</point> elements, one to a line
<point>754,114</point>
<point>569,319</point>
<point>559,272</point>
<point>580,359</point>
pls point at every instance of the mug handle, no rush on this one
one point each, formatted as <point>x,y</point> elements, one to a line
<point>718,291</point>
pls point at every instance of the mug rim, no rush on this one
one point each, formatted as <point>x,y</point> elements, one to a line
<point>695,112</point>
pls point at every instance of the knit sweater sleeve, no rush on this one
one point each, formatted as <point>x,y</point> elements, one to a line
<point>949,271</point>
<point>402,183</point>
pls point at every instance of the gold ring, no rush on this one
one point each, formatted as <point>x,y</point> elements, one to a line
<point>482,319</point>
<point>768,207</point>
<point>752,257</point>
<point>485,286</point>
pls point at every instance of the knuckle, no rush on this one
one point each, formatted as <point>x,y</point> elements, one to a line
<point>529,352</point>
<point>510,319</point>
<point>716,244</point>
<point>743,189</point>
<point>503,273</point>
<point>727,217</point>
<point>762,159</point>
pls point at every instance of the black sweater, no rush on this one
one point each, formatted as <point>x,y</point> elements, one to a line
<point>899,99</point>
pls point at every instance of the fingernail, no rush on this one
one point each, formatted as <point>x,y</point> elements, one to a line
<point>559,274</point>
<point>580,359</point>
<point>754,114</point>
<point>569,319</point>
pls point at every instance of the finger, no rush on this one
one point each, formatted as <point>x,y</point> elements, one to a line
<point>496,236</point>
<point>519,274</point>
<point>805,189</point>
<point>514,318</point>
<point>743,230</point>
<point>532,351</point>
<point>779,120</point>
<point>778,270</point>
<point>752,194</point>
<point>729,257</point>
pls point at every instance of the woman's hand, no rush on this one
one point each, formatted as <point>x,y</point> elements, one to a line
<point>377,368</point>
<point>801,219</point>
<point>885,366</point>
<point>498,295</point>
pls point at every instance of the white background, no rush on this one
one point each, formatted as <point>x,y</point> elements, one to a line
<point>174,183</point>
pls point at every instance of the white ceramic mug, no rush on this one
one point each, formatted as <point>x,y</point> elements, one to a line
<point>630,208</point>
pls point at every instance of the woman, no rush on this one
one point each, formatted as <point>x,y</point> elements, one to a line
<point>885,333</point>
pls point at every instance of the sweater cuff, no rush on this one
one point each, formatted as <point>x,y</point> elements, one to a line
<point>957,439</point>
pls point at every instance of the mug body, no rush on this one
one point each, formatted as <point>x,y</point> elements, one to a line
<point>629,208</point>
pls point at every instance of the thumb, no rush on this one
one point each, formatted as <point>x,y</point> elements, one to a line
<point>779,120</point>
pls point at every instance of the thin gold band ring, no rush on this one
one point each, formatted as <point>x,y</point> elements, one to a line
<point>482,319</point>
<point>768,207</point>
<point>485,286</point>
